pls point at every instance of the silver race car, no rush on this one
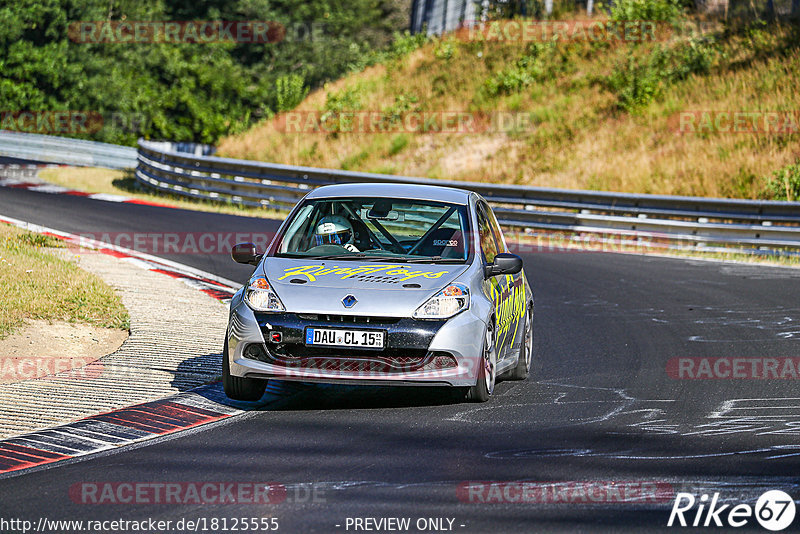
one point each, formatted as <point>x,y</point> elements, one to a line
<point>381,284</point>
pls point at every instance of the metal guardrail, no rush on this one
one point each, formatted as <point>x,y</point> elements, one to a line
<point>66,151</point>
<point>188,170</point>
<point>764,225</point>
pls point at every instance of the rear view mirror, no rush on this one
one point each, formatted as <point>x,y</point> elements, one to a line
<point>245,253</point>
<point>388,216</point>
<point>504,263</point>
<point>380,210</point>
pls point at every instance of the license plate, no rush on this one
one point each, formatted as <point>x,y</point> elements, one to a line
<point>331,337</point>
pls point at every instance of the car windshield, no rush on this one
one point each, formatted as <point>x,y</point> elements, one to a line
<point>378,229</point>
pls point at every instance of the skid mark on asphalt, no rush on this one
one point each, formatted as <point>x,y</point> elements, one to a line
<point>745,416</point>
<point>777,416</point>
<point>609,401</point>
<point>769,453</point>
<point>766,416</point>
<point>760,324</point>
<point>759,272</point>
<point>751,416</point>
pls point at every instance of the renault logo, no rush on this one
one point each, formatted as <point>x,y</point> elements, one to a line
<point>349,301</point>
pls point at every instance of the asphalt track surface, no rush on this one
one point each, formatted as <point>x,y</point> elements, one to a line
<point>600,406</point>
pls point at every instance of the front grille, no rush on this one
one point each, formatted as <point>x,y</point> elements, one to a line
<point>349,365</point>
<point>292,354</point>
<point>347,319</point>
<point>298,356</point>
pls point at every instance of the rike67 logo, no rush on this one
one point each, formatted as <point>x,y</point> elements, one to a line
<point>774,510</point>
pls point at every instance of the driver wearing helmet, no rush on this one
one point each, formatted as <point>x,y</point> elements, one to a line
<point>335,230</point>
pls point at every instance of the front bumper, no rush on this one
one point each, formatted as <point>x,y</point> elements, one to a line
<point>416,352</point>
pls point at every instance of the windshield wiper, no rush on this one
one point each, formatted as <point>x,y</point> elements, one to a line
<point>435,259</point>
<point>357,256</point>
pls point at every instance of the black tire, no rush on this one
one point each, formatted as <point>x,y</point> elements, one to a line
<point>487,374</point>
<point>525,357</point>
<point>237,388</point>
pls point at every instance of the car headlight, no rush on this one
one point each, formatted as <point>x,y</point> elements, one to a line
<point>445,304</point>
<point>260,296</point>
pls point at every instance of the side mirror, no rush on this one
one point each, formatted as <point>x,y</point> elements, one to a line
<point>504,263</point>
<point>245,253</point>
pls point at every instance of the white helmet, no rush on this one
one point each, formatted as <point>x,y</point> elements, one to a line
<point>334,230</point>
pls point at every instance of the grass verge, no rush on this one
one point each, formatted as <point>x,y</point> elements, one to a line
<point>37,285</point>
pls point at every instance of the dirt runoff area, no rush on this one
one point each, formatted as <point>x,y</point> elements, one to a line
<point>41,349</point>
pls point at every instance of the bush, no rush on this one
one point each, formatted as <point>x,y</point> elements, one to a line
<point>639,82</point>
<point>353,161</point>
<point>784,184</point>
<point>403,103</point>
<point>406,42</point>
<point>289,92</point>
<point>533,66</point>
<point>348,99</point>
<point>399,142</point>
<point>512,79</point>
<point>445,50</point>
<point>694,57</point>
<point>338,105</point>
<point>650,10</point>
<point>635,83</point>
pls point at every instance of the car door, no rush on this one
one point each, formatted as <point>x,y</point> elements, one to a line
<point>496,287</point>
<point>514,302</point>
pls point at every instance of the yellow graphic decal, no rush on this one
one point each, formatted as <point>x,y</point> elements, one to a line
<point>312,272</point>
<point>519,306</point>
<point>509,306</point>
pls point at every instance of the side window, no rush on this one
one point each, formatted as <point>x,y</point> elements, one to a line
<point>488,244</point>
<point>498,234</point>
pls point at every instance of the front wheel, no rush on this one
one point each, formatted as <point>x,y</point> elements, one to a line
<point>487,374</point>
<point>523,367</point>
<point>237,388</point>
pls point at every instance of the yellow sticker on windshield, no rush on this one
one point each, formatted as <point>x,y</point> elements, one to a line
<point>312,272</point>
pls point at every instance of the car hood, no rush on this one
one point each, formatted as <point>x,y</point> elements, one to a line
<point>381,289</point>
